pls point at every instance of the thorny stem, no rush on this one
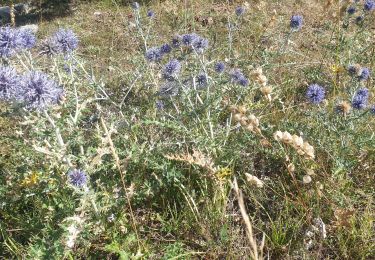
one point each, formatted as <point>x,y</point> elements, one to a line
<point>118,166</point>
<point>59,138</point>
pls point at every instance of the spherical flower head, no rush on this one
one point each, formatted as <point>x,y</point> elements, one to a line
<point>9,40</point>
<point>27,39</point>
<point>176,42</point>
<point>199,44</point>
<point>39,91</point>
<point>359,19</point>
<point>351,10</point>
<point>239,78</point>
<point>360,98</point>
<point>372,109</point>
<point>154,54</point>
<point>165,48</point>
<point>240,10</point>
<point>369,5</point>
<point>159,105</point>
<point>315,94</point>
<point>150,14</point>
<point>202,80</point>
<point>187,39</point>
<point>172,69</point>
<point>365,74</point>
<point>77,178</point>
<point>354,70</point>
<point>135,5</point>
<point>296,22</point>
<point>220,67</point>
<point>9,83</point>
<point>64,41</point>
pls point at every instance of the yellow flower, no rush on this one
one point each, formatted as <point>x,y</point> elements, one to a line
<point>223,173</point>
<point>336,69</point>
<point>30,180</point>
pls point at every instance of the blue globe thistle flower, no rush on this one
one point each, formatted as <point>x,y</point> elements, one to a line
<point>77,178</point>
<point>64,41</point>
<point>172,69</point>
<point>38,91</point>
<point>135,5</point>
<point>187,39</point>
<point>240,10</point>
<point>200,44</point>
<point>238,77</point>
<point>27,39</point>
<point>369,5</point>
<point>360,98</point>
<point>9,83</point>
<point>363,92</point>
<point>150,14</point>
<point>165,48</point>
<point>176,43</point>
<point>244,82</point>
<point>359,19</point>
<point>365,74</point>
<point>296,22</point>
<point>202,80</point>
<point>372,109</point>
<point>351,10</point>
<point>154,54</point>
<point>9,40</point>
<point>315,94</point>
<point>220,67</point>
<point>159,105</point>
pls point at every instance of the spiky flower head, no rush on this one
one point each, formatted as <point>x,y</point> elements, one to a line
<point>296,22</point>
<point>351,10</point>
<point>9,83</point>
<point>159,105</point>
<point>64,41</point>
<point>9,40</point>
<point>201,80</point>
<point>199,44</point>
<point>172,69</point>
<point>359,19</point>
<point>27,39</point>
<point>240,10</point>
<point>315,94</point>
<point>150,14</point>
<point>220,67</point>
<point>238,77</point>
<point>77,178</point>
<point>355,70</point>
<point>360,98</point>
<point>39,91</point>
<point>372,109</point>
<point>154,54</point>
<point>369,5</point>
<point>365,74</point>
<point>187,39</point>
<point>165,48</point>
<point>176,42</point>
